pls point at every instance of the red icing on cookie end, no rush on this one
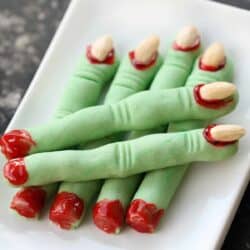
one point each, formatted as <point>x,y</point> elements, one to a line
<point>176,46</point>
<point>66,210</point>
<point>29,202</point>
<point>15,171</point>
<point>139,65</point>
<point>16,143</point>
<point>212,104</point>
<point>208,136</point>
<point>143,217</point>
<point>110,58</point>
<point>211,68</point>
<point>108,215</point>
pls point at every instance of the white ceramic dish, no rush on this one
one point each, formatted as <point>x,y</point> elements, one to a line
<point>204,206</point>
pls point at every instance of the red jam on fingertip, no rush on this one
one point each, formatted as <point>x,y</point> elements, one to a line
<point>110,58</point>
<point>211,68</point>
<point>143,217</point>
<point>142,66</point>
<point>211,104</point>
<point>208,136</point>
<point>108,215</point>
<point>176,46</point>
<point>66,210</point>
<point>29,202</point>
<point>16,143</point>
<point>15,171</point>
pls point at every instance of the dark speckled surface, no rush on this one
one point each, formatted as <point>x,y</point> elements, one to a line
<point>26,28</point>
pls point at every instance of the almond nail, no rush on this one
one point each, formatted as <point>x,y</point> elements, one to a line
<point>147,49</point>
<point>227,133</point>
<point>217,91</point>
<point>188,37</point>
<point>214,55</point>
<point>101,47</point>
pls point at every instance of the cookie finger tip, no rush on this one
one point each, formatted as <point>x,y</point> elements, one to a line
<point>108,216</point>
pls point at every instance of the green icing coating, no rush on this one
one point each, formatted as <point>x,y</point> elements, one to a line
<point>83,90</point>
<point>123,159</point>
<point>175,70</point>
<point>145,110</point>
<point>200,76</point>
<point>167,183</point>
<point>164,183</point>
<point>172,74</point>
<point>128,81</point>
<point>159,186</point>
<point>85,86</point>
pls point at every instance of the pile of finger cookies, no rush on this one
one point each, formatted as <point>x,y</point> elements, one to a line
<point>124,159</point>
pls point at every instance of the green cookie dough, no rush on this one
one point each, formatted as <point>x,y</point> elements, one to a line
<point>144,110</point>
<point>164,183</point>
<point>172,74</point>
<point>128,81</point>
<point>200,76</point>
<point>83,90</point>
<point>175,69</point>
<point>124,159</point>
<point>85,86</point>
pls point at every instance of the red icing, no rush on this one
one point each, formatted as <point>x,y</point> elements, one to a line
<point>211,104</point>
<point>15,171</point>
<point>66,209</point>
<point>29,202</point>
<point>210,139</point>
<point>176,46</point>
<point>211,68</point>
<point>108,215</point>
<point>16,143</point>
<point>139,65</point>
<point>110,58</point>
<point>143,217</point>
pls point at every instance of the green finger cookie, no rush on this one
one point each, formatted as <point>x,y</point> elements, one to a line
<point>116,193</point>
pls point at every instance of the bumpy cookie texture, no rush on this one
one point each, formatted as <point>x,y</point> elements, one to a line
<point>160,107</point>
<point>88,79</point>
<point>155,183</point>
<point>221,69</point>
<point>128,80</point>
<point>95,69</point>
<point>172,74</point>
<point>135,156</point>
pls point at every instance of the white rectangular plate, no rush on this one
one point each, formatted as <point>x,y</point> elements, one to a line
<point>204,206</point>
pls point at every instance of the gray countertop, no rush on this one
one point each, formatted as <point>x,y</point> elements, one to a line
<point>26,28</point>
